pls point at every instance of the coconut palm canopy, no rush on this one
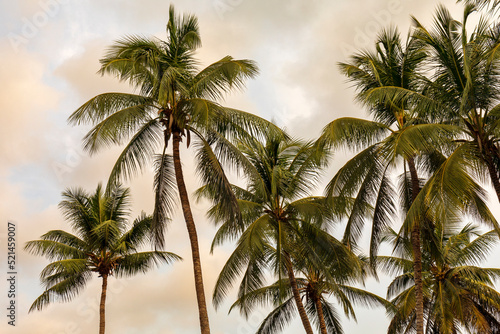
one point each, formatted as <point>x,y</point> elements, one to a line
<point>104,243</point>
<point>459,293</point>
<point>50,53</point>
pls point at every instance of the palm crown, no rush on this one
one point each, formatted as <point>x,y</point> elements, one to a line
<point>315,290</point>
<point>457,292</point>
<point>174,99</point>
<point>103,244</point>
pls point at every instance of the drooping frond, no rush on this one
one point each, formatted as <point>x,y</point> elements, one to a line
<point>57,250</point>
<point>165,197</point>
<point>141,262</point>
<point>277,320</point>
<point>251,246</point>
<point>66,289</point>
<point>353,133</point>
<point>110,109</point>
<point>451,192</point>
<point>137,236</point>
<point>222,76</point>
<point>214,177</point>
<point>137,153</point>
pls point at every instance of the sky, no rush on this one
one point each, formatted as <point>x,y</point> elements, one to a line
<point>50,51</point>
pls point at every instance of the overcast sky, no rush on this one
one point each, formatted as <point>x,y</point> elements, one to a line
<point>49,54</point>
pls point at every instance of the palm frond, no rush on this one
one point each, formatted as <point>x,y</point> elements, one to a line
<point>165,197</point>
<point>141,262</point>
<point>137,153</point>
<point>222,76</point>
<point>65,290</point>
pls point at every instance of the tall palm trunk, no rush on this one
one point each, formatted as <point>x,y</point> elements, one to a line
<point>102,321</point>
<point>193,237</point>
<point>321,316</point>
<point>417,253</point>
<point>493,175</point>
<point>296,296</point>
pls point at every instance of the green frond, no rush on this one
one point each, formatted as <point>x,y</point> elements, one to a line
<point>353,133</point>
<point>222,76</point>
<point>134,59</point>
<point>417,139</point>
<point>110,109</point>
<point>214,177</point>
<point>243,125</point>
<point>165,186</point>
<point>315,209</point>
<point>75,208</point>
<point>64,290</point>
<point>116,205</point>
<point>383,212</point>
<point>281,316</point>
<point>368,189</point>
<point>365,298</point>
<point>332,318</point>
<point>137,153</point>
<point>268,295</point>
<point>57,250</point>
<point>137,236</point>
<point>67,267</point>
<point>115,129</point>
<point>349,177</point>
<point>250,212</point>
<point>476,250</point>
<point>106,233</point>
<point>451,192</point>
<point>252,246</point>
<point>134,263</point>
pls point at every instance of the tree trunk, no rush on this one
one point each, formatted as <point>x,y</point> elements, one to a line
<point>102,321</point>
<point>321,316</point>
<point>193,237</point>
<point>296,296</point>
<point>493,175</point>
<point>417,253</point>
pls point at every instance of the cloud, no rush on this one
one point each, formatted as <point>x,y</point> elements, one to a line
<point>25,101</point>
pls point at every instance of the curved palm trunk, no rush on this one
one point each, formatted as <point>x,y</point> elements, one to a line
<point>193,237</point>
<point>321,316</point>
<point>102,321</point>
<point>493,176</point>
<point>417,253</point>
<point>296,296</point>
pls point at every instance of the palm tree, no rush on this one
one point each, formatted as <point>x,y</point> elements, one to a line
<point>463,92</point>
<point>457,292</point>
<point>462,89</point>
<point>465,86</point>
<point>315,288</point>
<point>174,100</point>
<point>102,244</point>
<point>278,222</point>
<point>396,134</point>
<point>400,134</point>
